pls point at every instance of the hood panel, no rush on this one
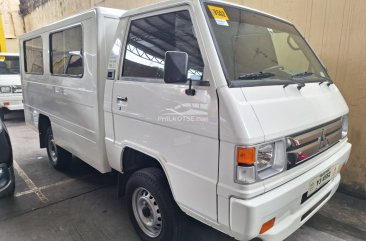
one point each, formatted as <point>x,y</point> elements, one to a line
<point>284,111</point>
<point>238,122</point>
<point>10,79</point>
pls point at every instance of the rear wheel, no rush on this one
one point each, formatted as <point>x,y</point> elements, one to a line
<point>58,157</point>
<point>152,209</point>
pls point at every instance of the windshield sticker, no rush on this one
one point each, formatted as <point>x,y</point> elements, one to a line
<point>219,15</point>
<point>221,22</point>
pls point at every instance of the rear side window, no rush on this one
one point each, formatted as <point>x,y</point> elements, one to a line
<point>33,56</point>
<point>67,52</point>
<point>149,38</point>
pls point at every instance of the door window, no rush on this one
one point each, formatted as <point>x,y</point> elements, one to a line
<point>150,38</point>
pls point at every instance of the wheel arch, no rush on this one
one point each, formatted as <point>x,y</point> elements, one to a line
<point>131,153</point>
<point>43,123</point>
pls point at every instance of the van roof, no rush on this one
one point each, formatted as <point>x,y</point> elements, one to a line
<point>126,13</point>
<point>113,12</point>
<point>174,3</point>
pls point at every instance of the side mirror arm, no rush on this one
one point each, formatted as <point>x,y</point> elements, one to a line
<point>190,91</point>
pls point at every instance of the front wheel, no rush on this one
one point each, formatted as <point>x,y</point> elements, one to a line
<point>57,156</point>
<point>152,209</point>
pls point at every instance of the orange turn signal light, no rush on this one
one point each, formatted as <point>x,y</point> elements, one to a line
<point>245,156</point>
<point>6,103</point>
<point>267,225</point>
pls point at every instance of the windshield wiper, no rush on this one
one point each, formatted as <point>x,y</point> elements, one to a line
<point>306,74</point>
<point>302,74</point>
<point>299,84</point>
<point>255,76</point>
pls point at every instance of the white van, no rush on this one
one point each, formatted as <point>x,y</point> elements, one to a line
<point>10,86</point>
<point>204,107</point>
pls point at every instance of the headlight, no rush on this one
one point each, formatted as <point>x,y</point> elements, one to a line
<point>344,126</point>
<point>5,89</point>
<point>265,156</point>
<point>17,89</point>
<point>260,162</point>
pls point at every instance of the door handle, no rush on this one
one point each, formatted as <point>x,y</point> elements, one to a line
<point>121,99</point>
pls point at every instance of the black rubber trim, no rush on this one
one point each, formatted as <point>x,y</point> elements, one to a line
<point>315,206</point>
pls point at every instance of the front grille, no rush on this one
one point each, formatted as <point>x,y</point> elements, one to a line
<point>305,145</point>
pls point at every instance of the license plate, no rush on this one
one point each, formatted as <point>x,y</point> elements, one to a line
<point>322,179</point>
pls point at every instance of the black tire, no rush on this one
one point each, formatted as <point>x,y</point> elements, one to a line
<point>12,186</point>
<point>58,157</point>
<point>172,218</point>
<point>2,114</point>
<point>9,192</point>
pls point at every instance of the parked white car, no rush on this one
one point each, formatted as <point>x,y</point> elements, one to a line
<point>208,108</point>
<point>10,86</point>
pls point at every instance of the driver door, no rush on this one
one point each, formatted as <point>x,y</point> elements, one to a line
<point>160,118</point>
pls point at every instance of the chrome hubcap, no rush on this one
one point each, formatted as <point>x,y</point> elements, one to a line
<point>146,212</point>
<point>52,149</point>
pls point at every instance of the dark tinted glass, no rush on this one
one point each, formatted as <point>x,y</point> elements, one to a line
<point>33,56</point>
<point>66,52</point>
<point>151,37</point>
<point>9,65</point>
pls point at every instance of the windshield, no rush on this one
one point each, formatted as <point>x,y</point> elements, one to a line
<point>9,64</point>
<point>255,47</point>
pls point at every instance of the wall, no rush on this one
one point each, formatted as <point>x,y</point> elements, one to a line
<point>12,23</point>
<point>336,29</point>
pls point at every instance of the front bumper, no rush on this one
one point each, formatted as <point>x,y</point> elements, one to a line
<point>11,101</point>
<point>284,203</point>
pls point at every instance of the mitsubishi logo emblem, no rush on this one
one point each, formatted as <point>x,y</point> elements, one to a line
<point>323,141</point>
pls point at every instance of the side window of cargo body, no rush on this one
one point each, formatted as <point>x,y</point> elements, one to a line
<point>33,55</point>
<point>151,37</point>
<point>66,50</point>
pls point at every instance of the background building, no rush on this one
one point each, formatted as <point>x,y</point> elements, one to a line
<point>336,29</point>
<point>12,23</point>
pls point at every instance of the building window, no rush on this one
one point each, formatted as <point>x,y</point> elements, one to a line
<point>150,38</point>
<point>33,56</point>
<point>67,52</point>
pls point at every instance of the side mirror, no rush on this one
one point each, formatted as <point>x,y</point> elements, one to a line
<point>175,67</point>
